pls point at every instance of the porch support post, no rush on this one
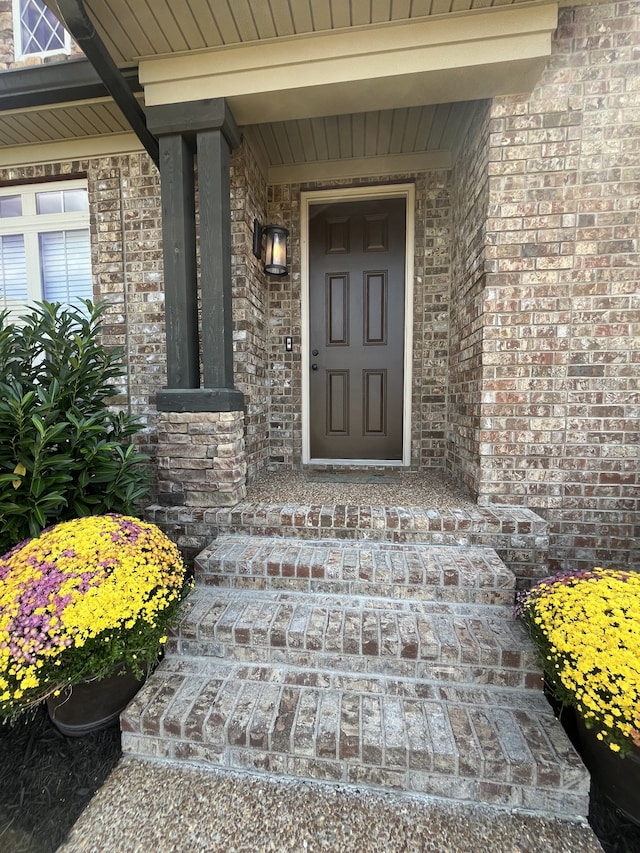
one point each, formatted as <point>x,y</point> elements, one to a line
<point>215,259</point>
<point>179,252</point>
<point>208,127</point>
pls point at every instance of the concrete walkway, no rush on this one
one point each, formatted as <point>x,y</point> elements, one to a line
<point>164,808</point>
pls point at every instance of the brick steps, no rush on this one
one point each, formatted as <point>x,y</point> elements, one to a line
<point>519,535</point>
<point>416,639</point>
<point>408,570</point>
<point>391,665</point>
<point>464,742</point>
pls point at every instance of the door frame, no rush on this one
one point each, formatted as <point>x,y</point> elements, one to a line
<point>408,192</point>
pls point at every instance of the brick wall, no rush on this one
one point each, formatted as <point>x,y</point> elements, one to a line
<point>470,195</point>
<point>250,294</point>
<point>128,274</point>
<point>431,289</point>
<point>284,368</point>
<point>431,318</point>
<point>562,310</point>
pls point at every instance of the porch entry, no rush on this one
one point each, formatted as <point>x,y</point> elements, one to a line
<point>357,329</point>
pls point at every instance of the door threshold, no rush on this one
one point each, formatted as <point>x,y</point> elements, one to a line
<point>360,463</point>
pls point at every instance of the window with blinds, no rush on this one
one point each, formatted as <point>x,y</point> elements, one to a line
<point>45,250</point>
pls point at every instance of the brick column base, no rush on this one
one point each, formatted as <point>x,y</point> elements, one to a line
<point>201,459</point>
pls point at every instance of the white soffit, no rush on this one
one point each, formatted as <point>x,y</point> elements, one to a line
<point>403,140</point>
<point>396,64</point>
<point>73,120</point>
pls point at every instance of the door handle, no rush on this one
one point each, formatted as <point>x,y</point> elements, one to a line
<point>314,367</point>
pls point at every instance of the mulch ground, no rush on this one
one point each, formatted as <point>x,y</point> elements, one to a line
<point>47,779</point>
<point>616,833</point>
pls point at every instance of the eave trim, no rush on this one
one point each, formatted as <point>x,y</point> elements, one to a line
<point>57,82</point>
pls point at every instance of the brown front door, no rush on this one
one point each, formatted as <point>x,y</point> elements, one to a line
<point>356,343</point>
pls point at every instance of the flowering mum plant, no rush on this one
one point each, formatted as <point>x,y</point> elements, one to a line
<point>586,627</point>
<point>82,599</point>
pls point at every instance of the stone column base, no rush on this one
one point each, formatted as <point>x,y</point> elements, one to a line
<point>201,459</point>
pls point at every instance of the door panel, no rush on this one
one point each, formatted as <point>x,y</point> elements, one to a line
<point>337,402</point>
<point>375,301</point>
<point>374,402</point>
<point>337,310</point>
<point>356,328</point>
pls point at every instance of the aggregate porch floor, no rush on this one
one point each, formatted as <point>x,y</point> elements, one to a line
<point>166,809</point>
<point>378,487</point>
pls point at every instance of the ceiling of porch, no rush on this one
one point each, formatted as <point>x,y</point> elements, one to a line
<point>409,139</point>
<point>65,121</point>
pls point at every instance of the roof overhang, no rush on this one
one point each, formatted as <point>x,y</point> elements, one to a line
<point>349,101</point>
<point>395,64</point>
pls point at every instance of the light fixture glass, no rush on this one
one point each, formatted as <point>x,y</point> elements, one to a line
<point>275,247</point>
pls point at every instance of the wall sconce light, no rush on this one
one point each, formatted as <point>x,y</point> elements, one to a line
<point>275,247</point>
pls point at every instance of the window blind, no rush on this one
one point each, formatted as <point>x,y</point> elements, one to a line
<point>65,266</point>
<point>13,272</point>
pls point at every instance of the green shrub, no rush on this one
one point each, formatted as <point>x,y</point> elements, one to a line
<point>63,452</point>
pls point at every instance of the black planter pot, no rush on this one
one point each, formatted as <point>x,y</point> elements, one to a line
<point>565,713</point>
<point>618,779</point>
<point>92,705</point>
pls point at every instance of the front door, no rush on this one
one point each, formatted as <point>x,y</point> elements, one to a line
<point>356,328</point>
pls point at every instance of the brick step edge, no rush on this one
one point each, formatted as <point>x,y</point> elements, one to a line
<point>403,638</point>
<point>463,574</point>
<point>369,518</point>
<point>518,534</point>
<point>508,750</point>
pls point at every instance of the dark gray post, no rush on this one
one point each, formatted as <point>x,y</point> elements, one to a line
<point>215,259</point>
<point>209,125</point>
<point>179,251</point>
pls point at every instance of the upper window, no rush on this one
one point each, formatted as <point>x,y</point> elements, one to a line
<point>45,250</point>
<point>37,31</point>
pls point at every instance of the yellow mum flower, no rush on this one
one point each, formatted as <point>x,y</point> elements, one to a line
<point>586,626</point>
<point>82,597</point>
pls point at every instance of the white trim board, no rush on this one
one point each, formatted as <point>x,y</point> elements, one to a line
<point>360,167</point>
<point>83,148</point>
